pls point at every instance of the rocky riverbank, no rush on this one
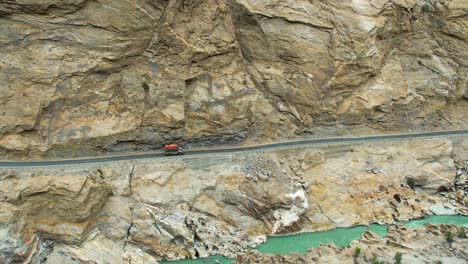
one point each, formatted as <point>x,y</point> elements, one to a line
<point>431,244</point>
<point>194,206</point>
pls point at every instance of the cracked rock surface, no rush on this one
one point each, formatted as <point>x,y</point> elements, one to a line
<point>83,77</point>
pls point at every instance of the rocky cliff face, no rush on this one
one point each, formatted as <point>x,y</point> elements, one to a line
<point>93,76</point>
<point>173,208</point>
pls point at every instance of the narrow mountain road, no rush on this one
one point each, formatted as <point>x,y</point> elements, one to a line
<point>350,139</point>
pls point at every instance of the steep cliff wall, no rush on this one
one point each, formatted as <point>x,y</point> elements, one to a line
<point>115,75</point>
<point>172,208</point>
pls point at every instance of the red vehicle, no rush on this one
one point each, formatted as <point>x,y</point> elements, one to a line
<point>173,149</point>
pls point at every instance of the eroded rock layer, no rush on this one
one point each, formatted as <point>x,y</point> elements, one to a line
<point>189,207</point>
<point>84,77</point>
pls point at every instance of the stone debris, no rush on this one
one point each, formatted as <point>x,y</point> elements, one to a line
<point>259,168</point>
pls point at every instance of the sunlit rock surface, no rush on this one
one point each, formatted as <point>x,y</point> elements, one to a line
<point>85,77</point>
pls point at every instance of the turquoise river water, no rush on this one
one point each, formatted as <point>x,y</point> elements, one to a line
<point>341,237</point>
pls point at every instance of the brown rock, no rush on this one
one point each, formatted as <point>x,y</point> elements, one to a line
<point>85,77</point>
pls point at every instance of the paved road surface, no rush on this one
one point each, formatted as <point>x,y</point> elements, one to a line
<point>234,149</point>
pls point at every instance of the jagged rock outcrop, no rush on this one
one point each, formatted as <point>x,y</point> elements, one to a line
<point>85,77</point>
<point>36,209</point>
<point>194,206</point>
<point>426,245</point>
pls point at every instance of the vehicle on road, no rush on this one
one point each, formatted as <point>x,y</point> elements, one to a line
<point>173,149</point>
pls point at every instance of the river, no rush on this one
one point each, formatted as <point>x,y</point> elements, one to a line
<point>341,237</point>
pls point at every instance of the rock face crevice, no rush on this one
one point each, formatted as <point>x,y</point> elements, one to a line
<point>103,76</point>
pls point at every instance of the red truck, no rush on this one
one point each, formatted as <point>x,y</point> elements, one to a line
<point>173,149</point>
